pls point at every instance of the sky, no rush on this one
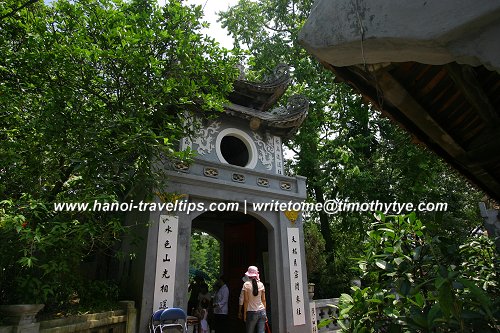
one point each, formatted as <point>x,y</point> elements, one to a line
<point>210,8</point>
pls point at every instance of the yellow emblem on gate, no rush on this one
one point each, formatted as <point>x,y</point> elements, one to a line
<point>170,197</point>
<point>292,215</point>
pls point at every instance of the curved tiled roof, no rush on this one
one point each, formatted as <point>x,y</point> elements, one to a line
<point>253,101</point>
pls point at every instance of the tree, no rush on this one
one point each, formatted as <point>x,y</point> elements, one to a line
<point>346,149</point>
<point>92,95</point>
<point>417,282</point>
<point>205,256</point>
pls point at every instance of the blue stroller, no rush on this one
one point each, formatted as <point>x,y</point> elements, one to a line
<point>169,320</point>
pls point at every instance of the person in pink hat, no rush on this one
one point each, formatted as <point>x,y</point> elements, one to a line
<point>254,302</point>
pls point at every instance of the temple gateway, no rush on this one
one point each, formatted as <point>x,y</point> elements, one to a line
<point>238,162</point>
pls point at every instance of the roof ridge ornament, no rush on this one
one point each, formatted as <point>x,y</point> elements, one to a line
<point>281,74</point>
<point>292,115</point>
<point>285,120</point>
<point>264,94</point>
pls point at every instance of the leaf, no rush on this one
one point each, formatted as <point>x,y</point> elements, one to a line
<point>398,260</point>
<point>390,312</point>
<point>433,314</point>
<point>420,299</point>
<point>390,232</point>
<point>345,298</point>
<point>416,253</point>
<point>479,294</point>
<point>325,322</point>
<point>419,320</point>
<point>374,300</point>
<point>381,264</point>
<point>439,282</point>
<point>405,287</point>
<point>344,311</point>
<point>445,298</point>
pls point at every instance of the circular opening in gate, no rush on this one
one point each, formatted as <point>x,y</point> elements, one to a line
<point>234,150</point>
<point>234,146</point>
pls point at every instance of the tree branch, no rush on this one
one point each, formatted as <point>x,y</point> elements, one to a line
<point>277,30</point>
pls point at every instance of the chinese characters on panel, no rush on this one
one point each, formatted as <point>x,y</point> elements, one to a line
<point>296,277</point>
<point>277,155</point>
<point>314,323</point>
<point>165,262</point>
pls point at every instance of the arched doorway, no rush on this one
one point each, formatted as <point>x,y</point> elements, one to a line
<point>243,241</point>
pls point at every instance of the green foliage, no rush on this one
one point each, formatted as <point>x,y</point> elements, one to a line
<point>205,256</point>
<point>92,95</point>
<point>91,293</point>
<point>41,252</point>
<point>319,267</point>
<point>315,244</point>
<point>419,283</point>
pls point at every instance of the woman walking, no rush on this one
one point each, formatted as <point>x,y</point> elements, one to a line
<point>254,302</point>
